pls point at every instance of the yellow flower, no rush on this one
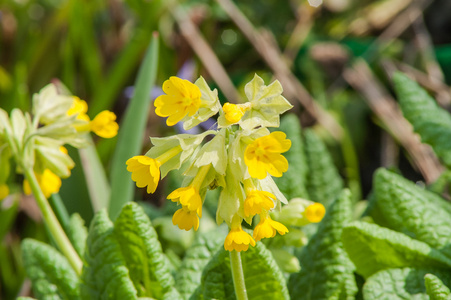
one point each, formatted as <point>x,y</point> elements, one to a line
<point>4,191</point>
<point>189,197</point>
<point>185,219</point>
<point>264,155</point>
<point>79,107</point>
<point>182,98</point>
<point>267,228</point>
<point>104,124</point>
<point>145,171</point>
<point>238,240</point>
<point>48,182</point>
<point>315,212</point>
<point>234,112</point>
<point>257,201</point>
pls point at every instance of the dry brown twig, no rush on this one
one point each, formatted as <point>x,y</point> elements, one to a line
<point>384,106</point>
<point>203,50</point>
<point>265,45</point>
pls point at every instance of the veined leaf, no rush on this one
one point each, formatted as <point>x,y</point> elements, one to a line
<point>324,184</point>
<point>326,271</point>
<point>262,276</point>
<point>130,135</point>
<point>412,210</point>
<point>435,288</point>
<point>149,269</point>
<point>430,121</point>
<point>196,258</point>
<point>77,233</point>
<point>105,275</point>
<point>394,284</point>
<point>293,182</point>
<point>51,274</point>
<point>373,248</point>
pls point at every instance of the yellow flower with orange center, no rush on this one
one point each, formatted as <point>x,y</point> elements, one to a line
<point>182,98</point>
<point>238,240</point>
<point>267,228</point>
<point>257,201</point>
<point>48,181</point>
<point>185,219</point>
<point>315,212</point>
<point>264,155</point>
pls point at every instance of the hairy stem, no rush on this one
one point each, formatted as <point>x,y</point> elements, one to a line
<point>238,275</point>
<point>52,223</point>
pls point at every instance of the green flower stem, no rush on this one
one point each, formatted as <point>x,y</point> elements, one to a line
<point>238,275</point>
<point>52,223</point>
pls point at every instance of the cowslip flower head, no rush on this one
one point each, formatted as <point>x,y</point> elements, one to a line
<point>189,198</point>
<point>4,191</point>
<point>263,155</point>
<point>185,219</point>
<point>48,181</point>
<point>258,201</point>
<point>145,172</point>
<point>182,98</point>
<point>267,228</point>
<point>238,239</point>
<point>104,124</point>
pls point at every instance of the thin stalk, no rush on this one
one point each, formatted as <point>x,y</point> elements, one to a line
<point>52,223</point>
<point>238,275</point>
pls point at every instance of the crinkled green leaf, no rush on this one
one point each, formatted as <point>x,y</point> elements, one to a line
<point>293,182</point>
<point>149,268</point>
<point>326,271</point>
<point>412,210</point>
<point>261,274</point>
<point>435,288</point>
<point>105,275</point>
<point>394,284</point>
<point>51,274</point>
<point>196,258</point>
<point>373,248</point>
<point>77,233</point>
<point>324,183</point>
<point>430,121</point>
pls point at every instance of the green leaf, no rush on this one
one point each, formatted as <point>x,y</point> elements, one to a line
<point>262,276</point>
<point>435,288</point>
<point>373,248</point>
<point>430,121</point>
<point>412,210</point>
<point>51,274</point>
<point>406,283</point>
<point>196,258</point>
<point>149,268</point>
<point>132,130</point>
<point>326,271</point>
<point>105,275</point>
<point>324,183</point>
<point>292,184</point>
<point>77,233</point>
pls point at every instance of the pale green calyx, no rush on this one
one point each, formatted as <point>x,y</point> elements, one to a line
<point>50,106</point>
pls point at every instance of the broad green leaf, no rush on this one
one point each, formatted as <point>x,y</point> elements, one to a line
<point>51,274</point>
<point>196,258</point>
<point>412,210</point>
<point>326,271</point>
<point>105,275</point>
<point>373,248</point>
<point>405,283</point>
<point>324,183</point>
<point>430,121</point>
<point>149,268</point>
<point>292,184</point>
<point>435,288</point>
<point>77,233</point>
<point>130,135</point>
<point>261,274</point>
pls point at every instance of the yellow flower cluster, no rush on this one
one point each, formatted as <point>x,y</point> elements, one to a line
<point>37,140</point>
<point>240,160</point>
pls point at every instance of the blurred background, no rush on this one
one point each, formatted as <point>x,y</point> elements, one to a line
<point>334,59</point>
